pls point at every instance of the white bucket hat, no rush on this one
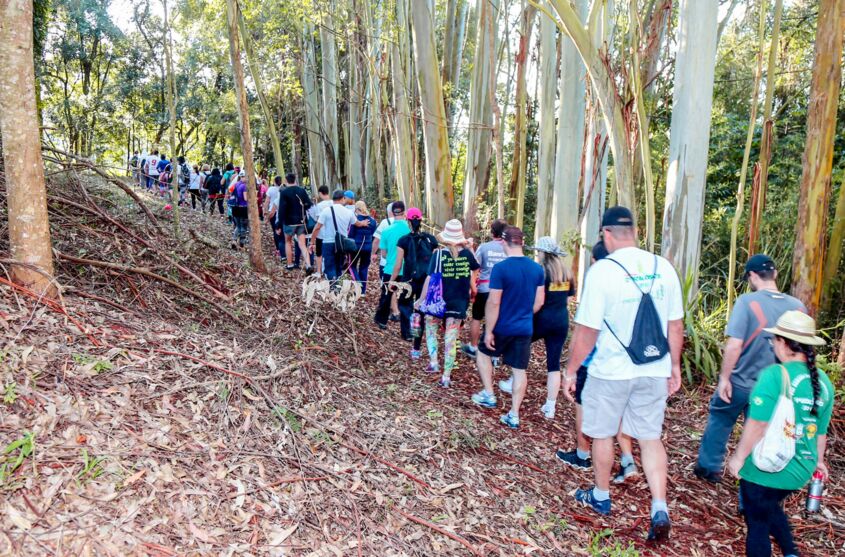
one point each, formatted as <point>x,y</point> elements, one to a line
<point>453,233</point>
<point>798,326</point>
<point>547,244</point>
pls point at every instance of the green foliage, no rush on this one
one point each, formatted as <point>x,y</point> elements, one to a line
<point>91,467</point>
<point>603,545</point>
<point>14,455</point>
<point>10,393</point>
<point>704,331</point>
<point>288,417</point>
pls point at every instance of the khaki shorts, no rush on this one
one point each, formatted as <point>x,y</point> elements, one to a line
<point>638,405</point>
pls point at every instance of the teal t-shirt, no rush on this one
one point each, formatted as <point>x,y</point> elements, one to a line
<point>808,427</point>
<point>390,240</point>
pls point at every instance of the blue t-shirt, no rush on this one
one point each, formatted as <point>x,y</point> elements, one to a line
<point>518,279</point>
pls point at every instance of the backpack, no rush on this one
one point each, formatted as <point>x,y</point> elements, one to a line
<point>434,304</point>
<point>184,175</point>
<point>648,343</point>
<point>419,256</point>
<point>777,447</point>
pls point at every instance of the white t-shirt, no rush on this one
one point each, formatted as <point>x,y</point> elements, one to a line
<point>344,217</point>
<point>315,210</point>
<point>272,197</point>
<point>382,226</point>
<point>609,297</point>
<point>152,163</point>
<point>195,180</point>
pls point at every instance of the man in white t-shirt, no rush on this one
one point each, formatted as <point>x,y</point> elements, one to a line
<point>338,213</point>
<point>619,393</point>
<point>323,200</point>
<point>271,205</point>
<point>151,169</point>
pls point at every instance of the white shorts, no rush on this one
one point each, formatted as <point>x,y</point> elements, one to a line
<point>637,405</point>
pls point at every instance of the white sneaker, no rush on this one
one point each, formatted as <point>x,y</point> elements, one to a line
<point>548,410</point>
<point>507,386</point>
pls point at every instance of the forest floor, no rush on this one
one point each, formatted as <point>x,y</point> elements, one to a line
<point>228,417</point>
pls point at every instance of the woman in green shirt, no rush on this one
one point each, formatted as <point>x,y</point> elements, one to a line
<point>762,493</point>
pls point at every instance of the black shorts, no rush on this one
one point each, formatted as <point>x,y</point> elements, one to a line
<point>479,304</point>
<point>515,351</point>
<point>580,381</point>
<point>318,248</point>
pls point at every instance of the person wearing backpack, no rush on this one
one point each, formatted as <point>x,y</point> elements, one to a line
<point>292,218</point>
<point>631,310</point>
<point>387,243</point>
<point>362,232</point>
<point>240,212</point>
<point>214,185</point>
<point>203,188</point>
<point>185,181</point>
<point>808,395</point>
<point>747,351</point>
<point>413,254</point>
<point>333,228</point>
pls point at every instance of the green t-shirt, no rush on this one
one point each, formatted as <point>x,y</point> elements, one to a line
<point>390,240</point>
<point>808,427</point>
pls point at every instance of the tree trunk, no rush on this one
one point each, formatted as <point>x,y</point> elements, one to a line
<point>256,256</point>
<point>26,194</point>
<point>834,255</point>
<point>570,137</point>
<point>330,83</point>
<point>450,73</point>
<point>811,228</point>
<point>354,150</point>
<point>689,137</point>
<point>312,109</point>
<point>546,119</point>
<point>479,136</point>
<point>255,72</point>
<point>171,109</point>
<point>520,132</point>
<point>440,199</point>
<point>403,135</point>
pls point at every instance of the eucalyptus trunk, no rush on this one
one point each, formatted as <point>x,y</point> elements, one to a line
<point>328,50</point>
<point>519,166</point>
<point>546,118</point>
<point>403,135</point>
<point>312,108</point>
<point>354,150</point>
<point>171,109</point>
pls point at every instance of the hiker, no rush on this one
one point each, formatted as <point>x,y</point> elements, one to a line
<point>811,395</point>
<point>362,232</point>
<point>141,178</point>
<point>162,167</point>
<point>746,352</point>
<point>388,244</point>
<point>271,207</point>
<point>240,211</point>
<point>261,196</point>
<point>413,256</point>
<point>134,160</point>
<point>203,190</point>
<point>516,294</point>
<point>165,180</point>
<point>214,185</point>
<point>151,170</point>
<point>227,184</point>
<point>377,255</point>
<point>488,255</point>
<point>628,383</point>
<point>184,180</point>
<point>349,199</point>
<point>333,226</point>
<point>292,216</point>
<point>551,322</point>
<point>194,186</point>
<point>316,247</point>
<point>445,296</point>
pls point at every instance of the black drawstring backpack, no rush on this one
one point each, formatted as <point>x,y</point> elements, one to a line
<point>648,343</point>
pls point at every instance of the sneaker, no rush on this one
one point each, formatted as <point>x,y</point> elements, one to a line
<point>415,354</point>
<point>707,475</point>
<point>445,383</point>
<point>382,326</point>
<point>625,472</point>
<point>570,458</point>
<point>506,386</point>
<point>394,317</point>
<point>469,351</point>
<point>660,526</point>
<point>309,271</point>
<point>548,411</point>
<point>510,420</point>
<point>586,498</point>
<point>484,399</point>
<point>290,267</point>
<point>432,368</point>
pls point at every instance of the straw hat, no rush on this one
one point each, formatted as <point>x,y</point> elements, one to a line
<point>453,233</point>
<point>798,326</point>
<point>547,244</point>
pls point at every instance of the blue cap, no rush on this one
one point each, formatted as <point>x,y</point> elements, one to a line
<point>349,194</point>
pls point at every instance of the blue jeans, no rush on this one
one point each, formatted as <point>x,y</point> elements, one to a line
<point>330,262</point>
<point>765,519</point>
<point>720,424</point>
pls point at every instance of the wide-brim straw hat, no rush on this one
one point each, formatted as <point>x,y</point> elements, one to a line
<point>453,233</point>
<point>798,326</point>
<point>547,244</point>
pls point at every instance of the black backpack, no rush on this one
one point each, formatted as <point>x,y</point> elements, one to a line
<point>648,343</point>
<point>421,249</point>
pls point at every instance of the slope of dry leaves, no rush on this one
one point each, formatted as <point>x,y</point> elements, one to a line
<point>229,418</point>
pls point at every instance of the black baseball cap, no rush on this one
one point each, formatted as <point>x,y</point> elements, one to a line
<point>617,216</point>
<point>758,263</point>
<point>398,207</point>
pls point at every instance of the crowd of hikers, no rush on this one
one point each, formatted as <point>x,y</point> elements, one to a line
<point>624,358</point>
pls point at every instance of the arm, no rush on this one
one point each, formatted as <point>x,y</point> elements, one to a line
<point>397,267</point>
<point>423,293</point>
<point>583,341</point>
<point>376,251</point>
<point>539,298</point>
<point>491,316</point>
<point>822,466</point>
<point>730,356</point>
<point>676,347</point>
<point>752,432</point>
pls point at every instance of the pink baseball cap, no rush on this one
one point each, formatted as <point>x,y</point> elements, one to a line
<point>414,213</point>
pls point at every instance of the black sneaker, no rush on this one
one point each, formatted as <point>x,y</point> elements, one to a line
<point>660,526</point>
<point>707,475</point>
<point>570,458</point>
<point>394,317</point>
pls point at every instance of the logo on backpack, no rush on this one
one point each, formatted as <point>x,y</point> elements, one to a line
<point>651,351</point>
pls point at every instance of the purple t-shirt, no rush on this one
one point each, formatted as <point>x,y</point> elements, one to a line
<point>240,194</point>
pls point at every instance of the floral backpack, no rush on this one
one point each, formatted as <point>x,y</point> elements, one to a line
<point>434,304</point>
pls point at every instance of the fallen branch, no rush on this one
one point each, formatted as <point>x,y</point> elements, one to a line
<point>463,541</point>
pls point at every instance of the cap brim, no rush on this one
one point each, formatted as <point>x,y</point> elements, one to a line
<point>809,341</point>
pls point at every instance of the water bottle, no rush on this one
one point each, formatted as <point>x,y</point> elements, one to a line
<point>814,496</point>
<point>416,325</point>
<point>495,360</point>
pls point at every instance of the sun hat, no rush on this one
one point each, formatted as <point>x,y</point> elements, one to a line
<point>547,244</point>
<point>414,213</point>
<point>758,263</point>
<point>453,233</point>
<point>798,326</point>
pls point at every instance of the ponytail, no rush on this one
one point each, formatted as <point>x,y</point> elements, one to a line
<point>416,224</point>
<point>810,353</point>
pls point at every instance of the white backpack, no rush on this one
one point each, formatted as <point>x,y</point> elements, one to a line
<point>777,447</point>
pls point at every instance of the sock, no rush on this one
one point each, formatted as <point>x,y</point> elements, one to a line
<point>600,495</point>
<point>583,455</point>
<point>627,460</point>
<point>551,403</point>
<point>513,414</point>
<point>658,505</point>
